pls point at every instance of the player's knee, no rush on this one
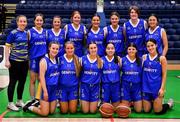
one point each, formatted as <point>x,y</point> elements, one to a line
<point>45,113</point>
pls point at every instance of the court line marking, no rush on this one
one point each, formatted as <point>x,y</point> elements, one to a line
<point>3,114</point>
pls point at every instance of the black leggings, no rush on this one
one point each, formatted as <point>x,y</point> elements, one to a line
<point>17,72</point>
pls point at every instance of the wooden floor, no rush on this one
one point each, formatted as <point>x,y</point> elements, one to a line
<point>84,120</point>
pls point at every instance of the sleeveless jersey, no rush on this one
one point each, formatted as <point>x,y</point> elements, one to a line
<point>76,36</point>
<point>37,43</point>
<point>131,72</point>
<point>52,73</point>
<point>110,71</point>
<point>155,34</point>
<point>60,37</point>
<point>90,72</point>
<point>67,72</point>
<point>152,75</point>
<point>98,38</point>
<point>116,37</point>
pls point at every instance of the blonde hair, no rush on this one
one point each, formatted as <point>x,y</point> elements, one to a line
<point>75,59</point>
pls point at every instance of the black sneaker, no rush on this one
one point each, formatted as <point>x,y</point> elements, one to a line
<point>36,103</point>
<point>28,104</point>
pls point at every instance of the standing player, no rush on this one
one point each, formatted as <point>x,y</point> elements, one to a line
<point>114,34</point>
<point>111,76</point>
<point>95,34</point>
<point>68,87</point>
<point>16,54</point>
<point>134,30</point>
<point>90,80</point>
<point>131,78</point>
<point>75,32</point>
<point>49,75</point>
<point>37,50</point>
<point>154,80</point>
<point>57,34</point>
<point>158,34</point>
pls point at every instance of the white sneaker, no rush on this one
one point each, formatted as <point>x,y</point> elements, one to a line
<point>20,103</point>
<point>11,106</point>
<point>171,102</point>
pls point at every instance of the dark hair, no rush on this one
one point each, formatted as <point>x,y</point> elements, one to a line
<point>75,12</point>
<point>154,16</point>
<point>155,42</point>
<point>56,16</point>
<point>135,8</point>
<point>38,14</point>
<point>115,56</point>
<point>138,60</point>
<point>17,18</point>
<point>115,13</point>
<point>95,15</point>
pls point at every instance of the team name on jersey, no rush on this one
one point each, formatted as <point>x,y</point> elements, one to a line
<point>40,43</point>
<point>68,72</point>
<point>135,36</point>
<point>109,71</point>
<point>54,74</point>
<point>90,73</point>
<point>150,70</point>
<point>115,41</point>
<point>74,39</point>
<point>131,73</point>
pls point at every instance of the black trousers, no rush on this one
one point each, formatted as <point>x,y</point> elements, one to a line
<point>17,72</point>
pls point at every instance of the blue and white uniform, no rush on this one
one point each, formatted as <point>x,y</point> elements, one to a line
<point>51,78</point>
<point>58,37</point>
<point>152,77</point>
<point>155,34</point>
<point>76,36</point>
<point>116,37</point>
<point>90,79</point>
<point>37,47</point>
<point>68,81</point>
<point>131,80</point>
<point>136,34</point>
<point>98,38</point>
<point>110,80</point>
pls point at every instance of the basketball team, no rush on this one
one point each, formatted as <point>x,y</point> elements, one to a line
<point>79,67</point>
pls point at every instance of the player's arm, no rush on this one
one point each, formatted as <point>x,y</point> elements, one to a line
<point>43,67</point>
<point>165,42</point>
<point>163,62</point>
<point>7,50</point>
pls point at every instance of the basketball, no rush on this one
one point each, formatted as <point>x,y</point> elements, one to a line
<point>123,110</point>
<point>106,110</point>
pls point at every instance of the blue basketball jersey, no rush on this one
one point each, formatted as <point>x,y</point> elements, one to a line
<point>136,34</point>
<point>37,43</point>
<point>67,72</point>
<point>152,75</point>
<point>117,38</point>
<point>90,72</point>
<point>60,37</point>
<point>110,71</point>
<point>131,72</point>
<point>76,36</point>
<point>98,38</point>
<point>157,35</point>
<point>52,72</point>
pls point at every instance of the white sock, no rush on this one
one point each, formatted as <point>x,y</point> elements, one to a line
<point>10,103</point>
<point>31,108</point>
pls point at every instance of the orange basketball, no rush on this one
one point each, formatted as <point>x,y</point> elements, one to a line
<point>123,110</point>
<point>106,110</point>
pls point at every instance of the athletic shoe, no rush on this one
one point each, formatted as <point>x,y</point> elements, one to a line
<point>36,103</point>
<point>12,107</point>
<point>20,103</point>
<point>28,103</point>
<point>171,103</point>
